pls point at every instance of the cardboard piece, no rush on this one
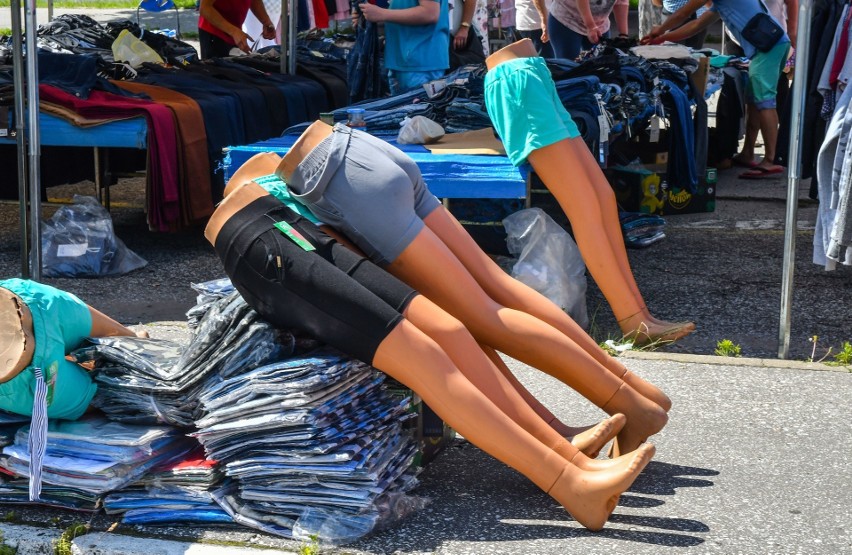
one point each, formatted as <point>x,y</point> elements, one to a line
<point>481,141</point>
<point>637,189</point>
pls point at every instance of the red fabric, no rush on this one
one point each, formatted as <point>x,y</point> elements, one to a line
<point>234,12</point>
<point>320,14</point>
<point>162,177</point>
<point>842,52</point>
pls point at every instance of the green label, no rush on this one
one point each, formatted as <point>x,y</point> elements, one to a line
<point>50,381</point>
<point>294,236</point>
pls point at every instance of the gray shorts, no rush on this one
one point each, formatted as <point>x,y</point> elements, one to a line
<point>365,188</point>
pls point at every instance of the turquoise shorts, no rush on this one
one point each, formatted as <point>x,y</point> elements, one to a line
<point>60,321</point>
<point>523,105</point>
<point>764,69</point>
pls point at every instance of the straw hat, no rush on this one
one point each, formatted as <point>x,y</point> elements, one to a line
<point>17,342</point>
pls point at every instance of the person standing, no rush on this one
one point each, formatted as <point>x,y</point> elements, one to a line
<point>765,65</point>
<point>468,32</point>
<point>417,40</point>
<point>528,22</point>
<point>220,25</point>
<point>577,25</point>
<point>696,41</point>
<point>786,13</point>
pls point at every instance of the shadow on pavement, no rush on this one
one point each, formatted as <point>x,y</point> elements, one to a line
<point>661,478</point>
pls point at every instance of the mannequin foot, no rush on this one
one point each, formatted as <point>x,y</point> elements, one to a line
<point>648,390</point>
<point>592,439</point>
<point>610,463</point>
<point>644,418</point>
<point>591,496</point>
<point>647,332</point>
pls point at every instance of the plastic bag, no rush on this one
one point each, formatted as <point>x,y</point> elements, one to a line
<point>127,48</point>
<point>548,261</point>
<point>419,130</point>
<point>78,241</point>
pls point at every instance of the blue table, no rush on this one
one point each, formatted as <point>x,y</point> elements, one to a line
<point>447,175</point>
<point>127,133</point>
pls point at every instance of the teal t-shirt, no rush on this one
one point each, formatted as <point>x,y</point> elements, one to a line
<point>418,47</point>
<point>276,187</point>
<point>60,321</point>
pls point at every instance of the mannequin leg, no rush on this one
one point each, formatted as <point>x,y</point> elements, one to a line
<point>589,203</point>
<point>431,268</point>
<point>512,293</point>
<point>479,369</point>
<point>588,439</point>
<point>418,362</point>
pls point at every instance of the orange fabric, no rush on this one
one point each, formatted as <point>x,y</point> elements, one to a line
<point>196,198</point>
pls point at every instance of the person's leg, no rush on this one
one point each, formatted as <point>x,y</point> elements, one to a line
<point>483,372</point>
<point>410,357</point>
<point>565,42</point>
<point>764,70</point>
<point>430,267</point>
<point>589,203</point>
<point>769,130</point>
<point>510,292</point>
<point>746,155</point>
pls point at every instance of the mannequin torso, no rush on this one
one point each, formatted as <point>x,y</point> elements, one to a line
<point>521,49</point>
<point>312,136</point>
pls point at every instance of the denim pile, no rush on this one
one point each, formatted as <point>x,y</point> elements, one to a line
<point>310,445</point>
<point>157,381</point>
<point>89,457</point>
<point>179,492</point>
<point>460,106</point>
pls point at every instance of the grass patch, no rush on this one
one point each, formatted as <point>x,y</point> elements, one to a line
<point>63,546</point>
<point>6,549</point>
<point>727,348</point>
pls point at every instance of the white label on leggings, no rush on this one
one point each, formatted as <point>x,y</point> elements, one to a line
<point>72,250</point>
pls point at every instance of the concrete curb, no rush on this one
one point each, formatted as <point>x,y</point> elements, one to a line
<point>32,540</point>
<point>736,361</point>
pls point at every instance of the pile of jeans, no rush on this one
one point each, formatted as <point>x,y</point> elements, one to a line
<point>310,445</point>
<point>89,457</point>
<point>157,381</point>
<point>179,492</point>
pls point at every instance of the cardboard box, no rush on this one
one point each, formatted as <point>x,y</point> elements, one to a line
<point>679,200</point>
<point>699,76</point>
<point>637,188</point>
<point>430,433</point>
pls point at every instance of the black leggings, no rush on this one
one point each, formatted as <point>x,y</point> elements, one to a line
<point>335,295</point>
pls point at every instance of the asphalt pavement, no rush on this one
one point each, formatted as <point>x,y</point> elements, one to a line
<point>756,457</point>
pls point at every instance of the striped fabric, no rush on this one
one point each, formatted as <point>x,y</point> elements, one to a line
<point>38,434</point>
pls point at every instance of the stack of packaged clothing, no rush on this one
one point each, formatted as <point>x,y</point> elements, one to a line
<point>641,230</point>
<point>156,381</point>
<point>311,445</point>
<point>179,492</point>
<point>90,457</point>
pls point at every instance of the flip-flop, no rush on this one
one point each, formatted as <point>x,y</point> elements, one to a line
<point>760,172</point>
